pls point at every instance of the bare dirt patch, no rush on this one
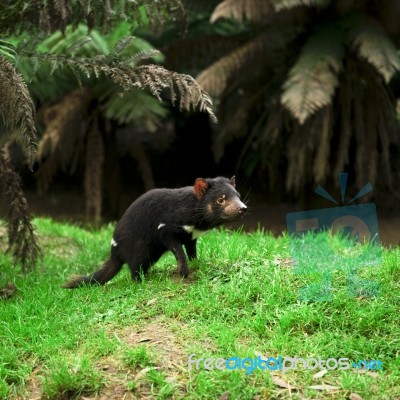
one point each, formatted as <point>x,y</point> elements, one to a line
<point>176,277</point>
<point>32,387</point>
<point>116,379</point>
<point>59,246</point>
<point>169,356</point>
<point>160,340</point>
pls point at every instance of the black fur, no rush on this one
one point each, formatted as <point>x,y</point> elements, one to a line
<point>162,220</point>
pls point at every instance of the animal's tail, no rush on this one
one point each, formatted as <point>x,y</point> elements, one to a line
<point>110,268</point>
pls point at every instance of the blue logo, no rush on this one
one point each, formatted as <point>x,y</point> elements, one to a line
<point>347,240</point>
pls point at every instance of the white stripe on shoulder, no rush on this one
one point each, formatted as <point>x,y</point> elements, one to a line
<point>114,243</point>
<point>160,225</point>
<point>188,228</point>
<point>191,229</point>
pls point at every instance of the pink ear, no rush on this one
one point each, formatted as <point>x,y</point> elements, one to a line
<point>200,187</point>
<point>233,181</point>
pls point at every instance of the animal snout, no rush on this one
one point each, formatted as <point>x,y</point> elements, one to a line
<point>235,209</point>
<point>242,208</point>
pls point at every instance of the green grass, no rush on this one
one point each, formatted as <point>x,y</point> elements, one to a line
<point>241,299</point>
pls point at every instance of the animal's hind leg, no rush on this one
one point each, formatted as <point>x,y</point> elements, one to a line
<point>135,272</point>
<point>137,269</point>
<point>139,265</point>
<point>190,247</point>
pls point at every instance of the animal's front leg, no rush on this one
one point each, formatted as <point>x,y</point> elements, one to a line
<point>180,256</point>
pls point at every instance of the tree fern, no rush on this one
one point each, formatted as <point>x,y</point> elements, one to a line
<point>314,77</point>
<point>308,100</point>
<point>288,4</point>
<point>16,107</point>
<point>376,47</point>
<point>93,171</point>
<point>125,71</point>
<point>86,57</point>
<point>240,10</point>
<point>215,78</point>
<point>62,143</point>
<point>321,167</point>
<point>129,107</point>
<point>22,240</point>
<point>128,73</point>
<point>51,15</point>
<point>203,50</point>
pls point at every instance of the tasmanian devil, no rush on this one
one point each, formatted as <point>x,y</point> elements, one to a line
<point>167,219</point>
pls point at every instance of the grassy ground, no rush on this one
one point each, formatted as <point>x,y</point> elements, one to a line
<point>133,340</point>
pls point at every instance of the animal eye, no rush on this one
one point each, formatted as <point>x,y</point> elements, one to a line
<point>221,200</point>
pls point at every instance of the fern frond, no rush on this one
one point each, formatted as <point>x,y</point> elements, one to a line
<point>143,56</point>
<point>313,79</point>
<point>159,12</point>
<point>75,40</point>
<point>215,78</point>
<point>375,46</point>
<point>203,50</point>
<point>64,135</point>
<point>16,108</point>
<point>158,79</point>
<point>7,50</point>
<point>52,15</point>
<point>21,235</point>
<point>240,10</point>
<point>129,107</point>
<point>61,121</point>
<point>288,4</point>
<point>122,45</point>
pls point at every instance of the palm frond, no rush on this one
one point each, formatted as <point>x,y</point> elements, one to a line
<point>215,78</point>
<point>375,46</point>
<point>16,108</point>
<point>313,79</point>
<point>251,89</point>
<point>204,50</point>
<point>288,4</point>
<point>240,10</point>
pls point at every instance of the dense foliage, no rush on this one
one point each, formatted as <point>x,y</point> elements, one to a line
<point>77,47</point>
<point>306,86</point>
